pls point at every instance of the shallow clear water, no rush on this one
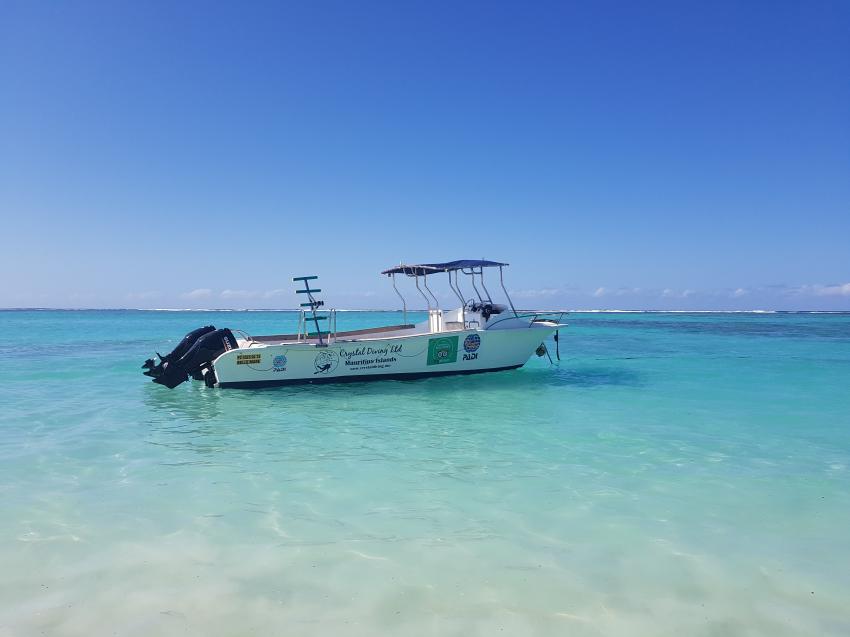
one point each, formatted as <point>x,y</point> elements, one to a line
<point>676,474</point>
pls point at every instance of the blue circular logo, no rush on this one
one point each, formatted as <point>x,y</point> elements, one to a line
<point>471,343</point>
<point>279,362</point>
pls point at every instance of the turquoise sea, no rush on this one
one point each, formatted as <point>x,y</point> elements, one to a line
<point>676,474</point>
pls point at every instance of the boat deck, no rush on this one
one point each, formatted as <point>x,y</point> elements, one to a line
<point>373,332</point>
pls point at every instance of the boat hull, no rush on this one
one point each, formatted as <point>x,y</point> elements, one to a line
<point>359,379</point>
<point>407,357</point>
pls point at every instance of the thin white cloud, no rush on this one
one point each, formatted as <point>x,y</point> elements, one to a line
<point>240,294</point>
<point>536,293</point>
<point>834,290</point>
<point>810,290</point>
<point>818,289</point>
<point>255,294</point>
<point>622,291</point>
<point>670,293</point>
<point>200,293</point>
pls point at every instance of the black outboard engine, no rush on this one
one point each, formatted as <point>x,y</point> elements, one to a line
<point>183,346</point>
<point>195,352</point>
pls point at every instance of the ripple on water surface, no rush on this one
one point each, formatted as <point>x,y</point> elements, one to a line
<point>676,474</point>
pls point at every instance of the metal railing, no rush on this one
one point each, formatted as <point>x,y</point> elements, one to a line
<point>305,317</point>
<point>535,317</point>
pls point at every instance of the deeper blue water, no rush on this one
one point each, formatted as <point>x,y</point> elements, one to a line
<point>675,474</point>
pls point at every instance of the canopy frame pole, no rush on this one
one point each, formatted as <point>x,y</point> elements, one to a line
<point>471,274</point>
<point>427,300</point>
<point>460,292</point>
<point>403,302</point>
<point>486,291</point>
<point>505,290</point>
<point>456,290</point>
<point>425,281</point>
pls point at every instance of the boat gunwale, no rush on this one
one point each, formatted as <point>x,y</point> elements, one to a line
<point>292,339</point>
<point>275,338</point>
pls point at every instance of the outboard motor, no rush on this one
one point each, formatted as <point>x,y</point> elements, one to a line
<point>205,348</point>
<point>183,346</point>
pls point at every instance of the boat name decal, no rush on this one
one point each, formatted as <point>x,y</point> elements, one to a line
<point>442,350</point>
<point>370,363</point>
<point>361,358</point>
<point>370,351</point>
<point>248,359</point>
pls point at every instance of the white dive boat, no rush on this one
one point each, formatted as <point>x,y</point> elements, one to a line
<point>479,336</point>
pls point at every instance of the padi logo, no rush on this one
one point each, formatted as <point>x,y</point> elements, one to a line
<point>470,345</point>
<point>326,362</point>
<point>279,363</point>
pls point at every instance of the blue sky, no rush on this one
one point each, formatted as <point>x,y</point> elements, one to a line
<point>667,155</point>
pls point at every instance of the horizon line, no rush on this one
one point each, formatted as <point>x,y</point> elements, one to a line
<point>526,310</point>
